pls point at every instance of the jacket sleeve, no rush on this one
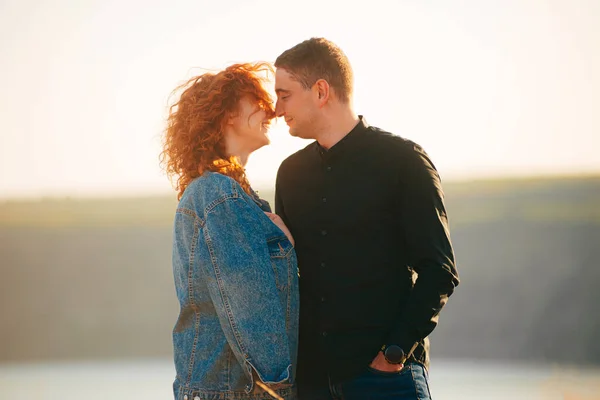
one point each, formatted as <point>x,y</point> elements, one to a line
<point>424,224</point>
<point>243,289</point>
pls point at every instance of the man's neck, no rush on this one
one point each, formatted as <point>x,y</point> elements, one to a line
<point>338,127</point>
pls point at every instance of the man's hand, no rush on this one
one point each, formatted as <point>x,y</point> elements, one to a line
<point>381,364</point>
<point>276,219</point>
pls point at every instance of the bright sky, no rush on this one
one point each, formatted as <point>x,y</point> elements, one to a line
<point>488,88</point>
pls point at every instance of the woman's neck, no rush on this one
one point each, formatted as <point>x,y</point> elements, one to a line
<point>234,149</point>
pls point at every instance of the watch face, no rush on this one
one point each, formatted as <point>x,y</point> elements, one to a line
<point>394,354</point>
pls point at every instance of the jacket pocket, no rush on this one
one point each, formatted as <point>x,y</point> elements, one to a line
<point>280,252</point>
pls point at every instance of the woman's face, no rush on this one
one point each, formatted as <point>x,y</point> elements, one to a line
<point>251,124</point>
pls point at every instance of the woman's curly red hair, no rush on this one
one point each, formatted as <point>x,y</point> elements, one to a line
<point>193,140</point>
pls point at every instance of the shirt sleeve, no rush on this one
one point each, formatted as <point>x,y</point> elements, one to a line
<point>279,209</point>
<point>424,224</point>
<point>243,289</point>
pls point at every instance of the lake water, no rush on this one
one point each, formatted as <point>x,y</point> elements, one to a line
<point>151,380</point>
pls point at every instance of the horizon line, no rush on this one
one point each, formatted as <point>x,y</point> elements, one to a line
<point>153,193</point>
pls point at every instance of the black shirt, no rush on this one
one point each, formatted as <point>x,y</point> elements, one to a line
<point>368,217</point>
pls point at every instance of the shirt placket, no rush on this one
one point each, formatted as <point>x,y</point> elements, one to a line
<point>325,233</point>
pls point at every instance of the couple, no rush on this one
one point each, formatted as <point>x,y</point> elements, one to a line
<point>345,280</point>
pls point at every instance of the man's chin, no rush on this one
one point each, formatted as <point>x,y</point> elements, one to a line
<point>294,132</point>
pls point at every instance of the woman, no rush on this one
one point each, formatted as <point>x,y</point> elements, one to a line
<point>234,264</point>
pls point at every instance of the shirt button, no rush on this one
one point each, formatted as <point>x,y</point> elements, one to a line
<point>323,232</point>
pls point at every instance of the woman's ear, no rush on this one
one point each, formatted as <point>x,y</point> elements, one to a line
<point>231,119</point>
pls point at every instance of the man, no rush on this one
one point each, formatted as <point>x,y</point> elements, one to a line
<point>366,210</point>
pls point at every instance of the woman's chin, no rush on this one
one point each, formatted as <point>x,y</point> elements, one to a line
<point>266,141</point>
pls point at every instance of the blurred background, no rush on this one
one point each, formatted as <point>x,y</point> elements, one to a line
<point>503,95</point>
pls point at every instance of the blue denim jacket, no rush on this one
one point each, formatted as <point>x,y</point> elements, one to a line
<point>236,277</point>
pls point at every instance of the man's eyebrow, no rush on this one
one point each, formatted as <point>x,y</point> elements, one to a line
<point>281,91</point>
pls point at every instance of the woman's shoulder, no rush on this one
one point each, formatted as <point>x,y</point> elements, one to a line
<point>214,181</point>
<point>208,188</point>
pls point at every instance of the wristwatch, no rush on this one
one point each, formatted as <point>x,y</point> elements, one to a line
<point>393,354</point>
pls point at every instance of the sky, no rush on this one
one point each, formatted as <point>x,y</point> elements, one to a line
<point>488,88</point>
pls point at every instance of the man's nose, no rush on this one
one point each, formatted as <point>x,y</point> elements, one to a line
<point>279,109</point>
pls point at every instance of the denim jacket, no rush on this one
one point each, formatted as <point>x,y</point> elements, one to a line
<point>236,278</point>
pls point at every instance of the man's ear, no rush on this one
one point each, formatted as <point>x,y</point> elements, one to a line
<point>323,90</point>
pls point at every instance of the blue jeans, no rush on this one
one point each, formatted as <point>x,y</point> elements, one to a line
<point>410,383</point>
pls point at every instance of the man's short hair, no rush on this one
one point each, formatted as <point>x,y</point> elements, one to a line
<point>319,58</point>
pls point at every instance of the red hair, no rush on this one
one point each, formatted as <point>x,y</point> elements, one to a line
<point>193,141</point>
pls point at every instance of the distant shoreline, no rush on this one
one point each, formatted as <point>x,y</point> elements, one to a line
<point>509,178</point>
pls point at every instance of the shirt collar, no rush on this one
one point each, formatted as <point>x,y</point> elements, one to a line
<point>347,142</point>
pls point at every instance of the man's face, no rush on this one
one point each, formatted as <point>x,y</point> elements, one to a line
<point>297,105</point>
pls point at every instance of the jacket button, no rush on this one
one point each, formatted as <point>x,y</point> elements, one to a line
<point>323,232</point>
<point>323,265</point>
<point>324,333</point>
<point>324,199</point>
<point>322,299</point>
<point>328,169</point>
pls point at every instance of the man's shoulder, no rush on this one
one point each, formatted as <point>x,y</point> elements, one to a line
<point>405,153</point>
<point>389,141</point>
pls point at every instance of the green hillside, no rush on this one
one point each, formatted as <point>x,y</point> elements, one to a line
<point>92,277</point>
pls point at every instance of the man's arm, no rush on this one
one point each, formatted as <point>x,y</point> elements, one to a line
<point>279,209</point>
<point>423,220</point>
